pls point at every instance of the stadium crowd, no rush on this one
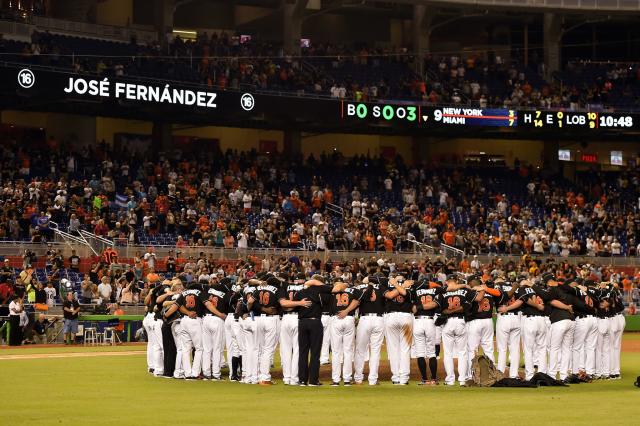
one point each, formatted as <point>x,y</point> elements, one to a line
<point>373,204</point>
<point>358,71</point>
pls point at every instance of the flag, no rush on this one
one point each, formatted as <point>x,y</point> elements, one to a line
<point>121,200</point>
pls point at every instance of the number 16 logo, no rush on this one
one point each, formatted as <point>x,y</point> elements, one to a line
<point>26,78</point>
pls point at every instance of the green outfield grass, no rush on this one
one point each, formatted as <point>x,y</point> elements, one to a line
<point>118,390</point>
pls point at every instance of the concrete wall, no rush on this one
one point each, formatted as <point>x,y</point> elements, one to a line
<point>114,12</point>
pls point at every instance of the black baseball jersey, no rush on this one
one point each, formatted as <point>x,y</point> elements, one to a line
<point>457,298</point>
<point>587,305</point>
<point>617,306</point>
<point>505,299</point>
<point>556,293</point>
<point>157,292</point>
<point>288,292</point>
<point>422,294</point>
<point>266,296</point>
<point>218,297</point>
<point>372,298</point>
<point>312,293</point>
<point>325,302</point>
<point>484,308</point>
<point>340,301</point>
<point>192,300</point>
<point>399,303</point>
<point>176,315</point>
<point>526,294</point>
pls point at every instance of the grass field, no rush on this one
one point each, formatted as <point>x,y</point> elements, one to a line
<point>110,389</point>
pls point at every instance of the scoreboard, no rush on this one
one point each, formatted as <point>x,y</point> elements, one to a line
<point>459,117</point>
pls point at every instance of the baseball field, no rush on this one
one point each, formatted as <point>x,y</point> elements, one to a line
<point>110,385</point>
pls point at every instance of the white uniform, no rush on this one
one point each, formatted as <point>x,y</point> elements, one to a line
<point>534,333</point>
<point>508,327</point>
<point>289,338</point>
<point>249,345</point>
<point>326,338</point>
<point>585,337</point>
<point>603,348</point>
<point>213,338</point>
<point>148,323</point>
<point>480,331</point>
<point>398,326</point>
<point>191,332</point>
<point>267,330</point>
<point>454,333</point>
<point>369,333</point>
<point>343,336</point>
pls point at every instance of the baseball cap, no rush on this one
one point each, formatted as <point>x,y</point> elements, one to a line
<point>548,277</point>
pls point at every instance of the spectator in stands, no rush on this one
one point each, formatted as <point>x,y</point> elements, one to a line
<point>71,310</point>
<point>86,290</point>
<point>74,261</point>
<point>105,290</point>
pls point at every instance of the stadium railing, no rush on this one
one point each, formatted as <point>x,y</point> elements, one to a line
<point>18,248</point>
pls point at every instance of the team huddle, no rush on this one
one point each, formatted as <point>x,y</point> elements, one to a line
<point>564,327</point>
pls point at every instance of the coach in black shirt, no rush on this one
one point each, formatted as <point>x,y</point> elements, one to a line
<point>310,329</point>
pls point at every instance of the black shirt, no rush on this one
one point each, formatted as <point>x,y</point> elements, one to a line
<point>312,293</point>
<point>41,296</point>
<point>288,292</point>
<point>372,300</point>
<point>266,296</point>
<point>422,295</point>
<point>176,315</point>
<point>40,327</point>
<point>399,303</point>
<point>218,297</point>
<point>452,299</point>
<point>527,294</point>
<point>73,305</point>
<point>555,293</point>
<point>484,308</point>
<point>192,300</point>
<point>340,301</point>
<point>157,292</point>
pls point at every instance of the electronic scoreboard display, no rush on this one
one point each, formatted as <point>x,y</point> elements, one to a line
<point>426,116</point>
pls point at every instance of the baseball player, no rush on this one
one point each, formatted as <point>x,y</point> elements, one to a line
<point>603,346</point>
<point>370,330</point>
<point>399,329</point>
<point>343,333</point>
<point>289,330</point>
<point>249,333</point>
<point>617,329</point>
<point>231,342</point>
<point>480,323</point>
<point>264,301</point>
<point>455,303</point>
<point>326,329</point>
<point>155,324</point>
<point>533,328</point>
<point>148,323</point>
<point>215,303</point>
<point>585,335</point>
<point>163,300</point>
<point>191,306</point>
<point>508,328</point>
<point>237,370</point>
<point>562,328</point>
<point>424,295</point>
<point>172,316</point>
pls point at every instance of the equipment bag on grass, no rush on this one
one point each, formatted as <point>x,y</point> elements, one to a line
<point>484,371</point>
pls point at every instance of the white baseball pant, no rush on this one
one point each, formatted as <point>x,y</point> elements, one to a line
<point>424,337</point>
<point>238,334</point>
<point>250,356</point>
<point>617,328</point>
<point>191,337</point>
<point>479,334</point>
<point>212,341</point>
<point>399,335</point>
<point>369,338</point>
<point>455,345</point>
<point>176,328</point>
<point>267,340</point>
<point>289,348</point>
<point>231,342</point>
<point>326,338</point>
<point>147,323</point>
<point>343,334</point>
<point>158,348</point>
<point>561,344</point>
<point>508,338</point>
<point>603,348</point>
<point>534,345</point>
<point>585,340</point>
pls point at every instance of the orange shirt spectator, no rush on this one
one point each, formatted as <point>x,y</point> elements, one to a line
<point>449,237</point>
<point>370,241</point>
<point>388,244</point>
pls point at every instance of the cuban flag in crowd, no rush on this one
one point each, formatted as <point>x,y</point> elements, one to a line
<point>121,200</point>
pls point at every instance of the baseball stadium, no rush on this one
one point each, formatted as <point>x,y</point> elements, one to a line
<point>319,212</point>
